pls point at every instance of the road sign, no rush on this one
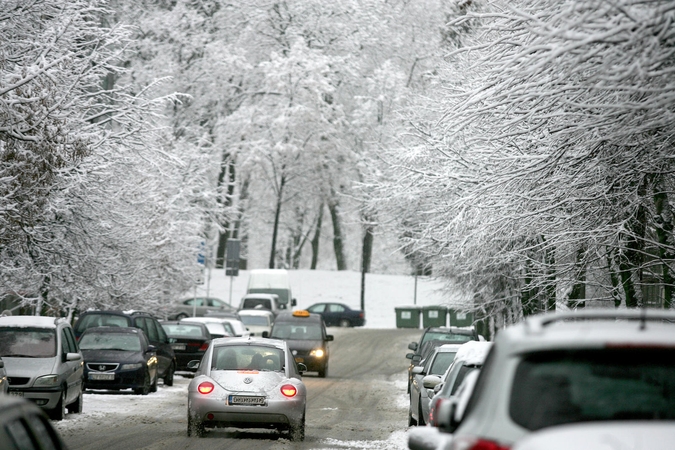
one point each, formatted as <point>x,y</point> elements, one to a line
<point>232,257</point>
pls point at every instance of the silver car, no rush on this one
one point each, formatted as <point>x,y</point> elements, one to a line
<point>43,362</point>
<point>247,383</point>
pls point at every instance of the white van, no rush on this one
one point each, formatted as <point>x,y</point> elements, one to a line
<point>272,281</point>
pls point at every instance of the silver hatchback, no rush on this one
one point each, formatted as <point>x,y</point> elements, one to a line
<point>247,383</point>
<point>43,362</point>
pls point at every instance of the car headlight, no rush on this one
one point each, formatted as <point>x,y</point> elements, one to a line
<point>131,366</point>
<point>318,352</point>
<point>47,380</point>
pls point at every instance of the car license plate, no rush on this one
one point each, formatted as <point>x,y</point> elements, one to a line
<point>16,393</point>
<point>101,376</point>
<point>298,359</point>
<point>246,400</point>
<point>179,347</point>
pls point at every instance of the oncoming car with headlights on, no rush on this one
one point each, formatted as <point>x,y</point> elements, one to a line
<point>306,336</point>
<point>247,383</point>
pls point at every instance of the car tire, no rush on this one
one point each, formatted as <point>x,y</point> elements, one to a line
<point>153,386</point>
<point>297,431</point>
<point>145,389</point>
<point>411,421</point>
<point>76,406</point>
<point>180,316</point>
<point>420,417</point>
<point>344,323</point>
<point>323,371</point>
<point>195,427</point>
<point>60,410</point>
<point>168,378</point>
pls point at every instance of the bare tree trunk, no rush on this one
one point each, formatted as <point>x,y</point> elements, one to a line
<point>631,263</point>
<point>277,214</point>
<point>337,236</point>
<point>664,230</point>
<point>316,239</point>
<point>226,175</point>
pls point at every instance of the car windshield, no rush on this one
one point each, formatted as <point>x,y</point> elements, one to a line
<point>27,342</point>
<point>552,388</point>
<point>247,357</point>
<point>183,330</point>
<point>257,303</point>
<point>101,320</point>
<point>441,363</point>
<point>294,331</point>
<point>447,337</point>
<point>110,341</point>
<point>255,320</point>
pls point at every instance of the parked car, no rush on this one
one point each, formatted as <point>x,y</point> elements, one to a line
<point>217,328</point>
<point>420,394</point>
<point>602,365</point>
<point>434,336</point>
<point>258,322</point>
<point>260,301</point>
<point>43,362</point>
<point>199,307</point>
<point>470,357</point>
<point>247,383</point>
<point>188,340</point>
<point>306,336</point>
<point>4,383</point>
<point>604,435</point>
<point>166,357</point>
<point>24,426</point>
<point>117,358</point>
<point>339,314</point>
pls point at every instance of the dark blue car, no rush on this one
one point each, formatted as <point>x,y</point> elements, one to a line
<point>339,314</point>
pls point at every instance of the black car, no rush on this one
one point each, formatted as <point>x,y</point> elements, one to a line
<point>189,341</point>
<point>431,338</point>
<point>339,314</point>
<point>25,426</point>
<point>153,330</point>
<point>307,339</point>
<point>119,358</point>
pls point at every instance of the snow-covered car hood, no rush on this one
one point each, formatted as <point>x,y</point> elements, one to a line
<point>111,356</point>
<point>29,367</point>
<point>247,380</point>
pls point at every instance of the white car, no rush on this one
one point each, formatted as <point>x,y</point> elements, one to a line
<point>588,366</point>
<point>257,321</point>
<point>215,325</point>
<point>602,436</point>
<point>247,383</point>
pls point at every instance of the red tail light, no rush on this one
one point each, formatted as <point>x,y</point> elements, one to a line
<point>204,346</point>
<point>289,390</point>
<point>472,443</point>
<point>205,387</point>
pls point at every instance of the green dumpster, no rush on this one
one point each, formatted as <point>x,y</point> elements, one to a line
<point>407,316</point>
<point>460,319</point>
<point>434,316</point>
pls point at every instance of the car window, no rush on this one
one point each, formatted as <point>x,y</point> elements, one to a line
<point>28,342</point>
<point>557,387</point>
<point>461,374</point>
<point>441,363</point>
<point>448,337</point>
<point>183,330</point>
<point>255,320</point>
<point>148,326</point>
<point>251,303</point>
<point>317,308</point>
<point>101,320</point>
<point>193,301</point>
<point>111,341</point>
<point>64,342</point>
<point>215,302</point>
<point>72,343</point>
<point>247,357</point>
<point>160,332</point>
<point>336,308</point>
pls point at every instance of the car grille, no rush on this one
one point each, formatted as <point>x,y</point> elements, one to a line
<point>17,381</point>
<point>102,367</point>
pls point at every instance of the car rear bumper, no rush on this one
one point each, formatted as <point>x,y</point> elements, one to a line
<point>276,414</point>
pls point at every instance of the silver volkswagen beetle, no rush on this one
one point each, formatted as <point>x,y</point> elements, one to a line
<point>247,383</point>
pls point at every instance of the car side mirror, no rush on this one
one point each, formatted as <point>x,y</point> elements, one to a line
<point>69,357</point>
<point>151,349</point>
<point>412,346</point>
<point>294,302</point>
<point>425,438</point>
<point>409,355</point>
<point>2,364</point>
<point>265,334</point>
<point>438,387</point>
<point>416,359</point>
<point>431,381</point>
<point>302,368</point>
<point>193,365</point>
<point>417,370</point>
<point>329,337</point>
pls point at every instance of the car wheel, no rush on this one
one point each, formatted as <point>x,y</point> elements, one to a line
<point>323,371</point>
<point>168,378</point>
<point>180,316</point>
<point>344,323</point>
<point>297,431</point>
<point>420,417</point>
<point>76,406</point>
<point>153,386</point>
<point>60,411</point>
<point>145,389</point>
<point>195,427</point>
<point>411,421</point>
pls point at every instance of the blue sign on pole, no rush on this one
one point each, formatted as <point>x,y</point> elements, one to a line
<point>201,257</point>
